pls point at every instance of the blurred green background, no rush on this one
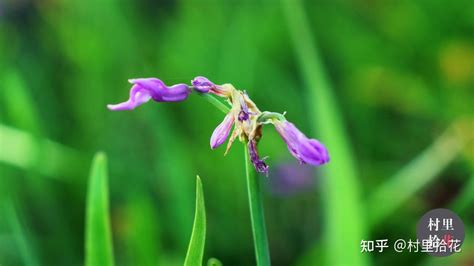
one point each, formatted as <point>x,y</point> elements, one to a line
<point>388,86</point>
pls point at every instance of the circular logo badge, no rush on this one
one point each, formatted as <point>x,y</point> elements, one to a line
<point>440,232</point>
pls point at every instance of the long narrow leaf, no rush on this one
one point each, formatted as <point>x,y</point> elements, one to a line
<point>23,246</point>
<point>98,235</point>
<point>198,236</point>
<point>21,149</point>
<point>415,175</point>
<point>345,226</point>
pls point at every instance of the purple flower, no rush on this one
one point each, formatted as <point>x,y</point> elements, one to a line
<point>144,89</point>
<point>202,84</point>
<point>222,131</point>
<point>305,150</point>
<point>258,163</point>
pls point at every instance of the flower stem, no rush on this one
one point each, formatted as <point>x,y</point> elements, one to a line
<point>257,217</point>
<point>220,105</point>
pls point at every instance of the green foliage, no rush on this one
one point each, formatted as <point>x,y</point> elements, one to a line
<point>195,253</point>
<point>22,243</point>
<point>98,238</point>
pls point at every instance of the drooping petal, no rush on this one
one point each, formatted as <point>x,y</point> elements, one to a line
<point>162,93</point>
<point>138,96</point>
<point>258,163</point>
<point>144,89</point>
<point>306,150</point>
<point>222,131</point>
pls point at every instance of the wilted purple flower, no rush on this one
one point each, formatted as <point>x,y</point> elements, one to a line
<point>144,89</point>
<point>222,131</point>
<point>258,163</point>
<point>305,150</point>
<point>202,84</point>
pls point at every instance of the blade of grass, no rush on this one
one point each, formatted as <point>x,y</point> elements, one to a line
<point>98,236</point>
<point>195,252</point>
<point>21,149</point>
<point>345,226</point>
<point>465,198</point>
<point>23,245</point>
<point>415,175</point>
<point>257,216</point>
<point>44,157</point>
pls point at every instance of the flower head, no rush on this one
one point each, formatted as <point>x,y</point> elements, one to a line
<point>243,115</point>
<point>306,150</point>
<point>144,89</point>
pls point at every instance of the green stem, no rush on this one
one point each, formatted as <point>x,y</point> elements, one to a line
<point>214,101</point>
<point>257,217</point>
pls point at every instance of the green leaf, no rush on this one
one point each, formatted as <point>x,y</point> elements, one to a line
<point>198,236</point>
<point>422,170</point>
<point>98,235</point>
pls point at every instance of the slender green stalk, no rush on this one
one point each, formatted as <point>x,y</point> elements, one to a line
<point>220,105</point>
<point>344,217</point>
<point>257,216</point>
<point>415,175</point>
<point>24,247</point>
<point>98,236</point>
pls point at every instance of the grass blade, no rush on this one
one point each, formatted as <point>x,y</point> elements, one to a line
<point>345,226</point>
<point>259,231</point>
<point>195,252</point>
<point>24,246</point>
<point>98,236</point>
<point>23,150</point>
<point>414,176</point>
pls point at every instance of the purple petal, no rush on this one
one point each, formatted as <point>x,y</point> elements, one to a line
<point>138,96</point>
<point>306,150</point>
<point>258,163</point>
<point>144,89</point>
<point>162,93</point>
<point>202,84</point>
<point>313,152</point>
<point>175,93</point>
<point>222,131</point>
